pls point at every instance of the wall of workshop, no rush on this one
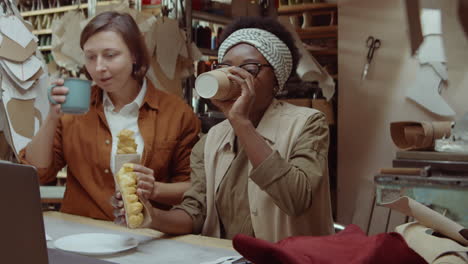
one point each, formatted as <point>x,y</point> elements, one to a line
<point>366,108</point>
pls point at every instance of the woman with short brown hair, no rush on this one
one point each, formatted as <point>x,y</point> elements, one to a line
<point>124,25</point>
<point>165,128</point>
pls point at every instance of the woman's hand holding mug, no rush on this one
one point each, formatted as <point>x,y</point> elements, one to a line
<point>59,95</point>
<point>70,96</point>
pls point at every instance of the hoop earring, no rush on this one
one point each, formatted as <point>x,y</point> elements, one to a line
<point>134,70</point>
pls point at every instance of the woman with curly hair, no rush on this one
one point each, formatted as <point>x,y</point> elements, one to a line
<point>263,171</point>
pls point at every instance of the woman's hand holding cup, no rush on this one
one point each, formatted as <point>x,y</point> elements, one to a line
<point>71,96</point>
<point>58,93</point>
<point>231,89</point>
<point>238,107</point>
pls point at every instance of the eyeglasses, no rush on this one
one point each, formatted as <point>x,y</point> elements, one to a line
<point>251,67</point>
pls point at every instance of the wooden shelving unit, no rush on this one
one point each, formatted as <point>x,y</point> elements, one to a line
<point>316,25</point>
<point>324,52</point>
<point>209,52</point>
<point>294,9</point>
<point>63,9</point>
<point>318,32</point>
<point>55,10</point>
<point>210,17</point>
<point>42,31</point>
<point>45,48</point>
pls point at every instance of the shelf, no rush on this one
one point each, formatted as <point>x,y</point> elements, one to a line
<point>63,9</point>
<point>324,52</point>
<point>45,48</point>
<point>300,8</point>
<point>318,32</point>
<point>42,31</point>
<point>209,52</point>
<point>211,17</point>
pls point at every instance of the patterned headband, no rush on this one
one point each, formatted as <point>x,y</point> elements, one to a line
<point>270,46</point>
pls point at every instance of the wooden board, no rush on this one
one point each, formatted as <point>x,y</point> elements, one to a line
<point>431,155</point>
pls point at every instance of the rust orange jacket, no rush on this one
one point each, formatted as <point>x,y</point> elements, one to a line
<point>83,142</point>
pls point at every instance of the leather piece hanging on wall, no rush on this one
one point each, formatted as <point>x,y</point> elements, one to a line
<point>23,123</point>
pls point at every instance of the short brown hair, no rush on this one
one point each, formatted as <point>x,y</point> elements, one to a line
<point>125,25</point>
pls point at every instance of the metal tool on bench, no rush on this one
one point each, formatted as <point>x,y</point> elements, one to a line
<point>424,171</point>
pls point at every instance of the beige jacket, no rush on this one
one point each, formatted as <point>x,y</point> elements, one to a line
<point>280,126</point>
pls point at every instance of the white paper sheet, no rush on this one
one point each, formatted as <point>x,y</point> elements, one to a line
<point>440,69</point>
<point>431,56</point>
<point>432,50</point>
<point>42,100</point>
<point>24,71</point>
<point>15,82</point>
<point>431,21</point>
<point>12,27</point>
<point>39,94</point>
<point>425,92</point>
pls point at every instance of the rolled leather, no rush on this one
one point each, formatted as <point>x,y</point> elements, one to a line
<point>418,135</point>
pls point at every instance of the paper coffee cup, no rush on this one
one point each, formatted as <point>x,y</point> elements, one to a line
<point>216,85</point>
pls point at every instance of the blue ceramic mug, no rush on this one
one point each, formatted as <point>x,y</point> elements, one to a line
<point>78,97</point>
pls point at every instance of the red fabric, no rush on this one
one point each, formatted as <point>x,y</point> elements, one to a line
<point>349,246</point>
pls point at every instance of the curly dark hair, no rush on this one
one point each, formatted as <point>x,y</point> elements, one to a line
<point>266,23</point>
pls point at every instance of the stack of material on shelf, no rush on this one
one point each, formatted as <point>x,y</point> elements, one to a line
<point>24,79</point>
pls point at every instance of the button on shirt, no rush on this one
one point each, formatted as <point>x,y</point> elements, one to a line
<point>126,118</point>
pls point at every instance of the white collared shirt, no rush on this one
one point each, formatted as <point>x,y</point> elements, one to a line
<point>126,118</point>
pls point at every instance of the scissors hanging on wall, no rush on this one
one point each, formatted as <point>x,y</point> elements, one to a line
<point>372,44</point>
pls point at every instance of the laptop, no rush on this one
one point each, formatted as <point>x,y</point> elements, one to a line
<point>22,235</point>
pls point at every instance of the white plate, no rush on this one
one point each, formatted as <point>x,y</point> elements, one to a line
<point>95,243</point>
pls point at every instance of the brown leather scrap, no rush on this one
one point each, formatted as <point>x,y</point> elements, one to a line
<point>413,135</point>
